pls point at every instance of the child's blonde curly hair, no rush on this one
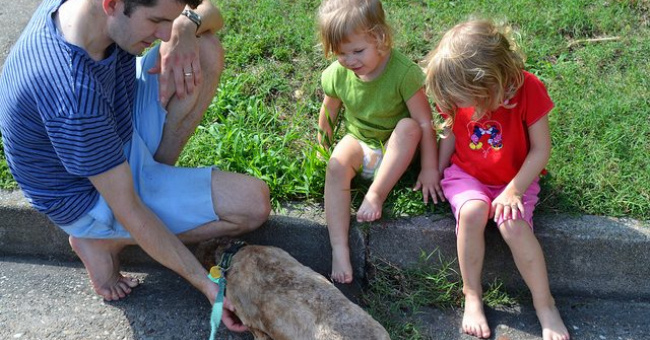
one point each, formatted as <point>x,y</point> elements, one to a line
<point>477,63</point>
<point>339,18</point>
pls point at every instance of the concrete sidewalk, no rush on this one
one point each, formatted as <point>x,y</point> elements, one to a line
<point>585,255</point>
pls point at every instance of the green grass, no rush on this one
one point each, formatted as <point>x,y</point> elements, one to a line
<point>263,120</point>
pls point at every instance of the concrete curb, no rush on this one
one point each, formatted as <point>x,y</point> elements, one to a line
<point>585,255</point>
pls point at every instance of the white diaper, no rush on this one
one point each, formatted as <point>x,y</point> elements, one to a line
<point>371,160</point>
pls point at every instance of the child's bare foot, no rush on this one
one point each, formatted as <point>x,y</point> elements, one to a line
<point>341,266</point>
<point>370,209</point>
<point>100,257</point>
<point>552,325</point>
<point>474,321</point>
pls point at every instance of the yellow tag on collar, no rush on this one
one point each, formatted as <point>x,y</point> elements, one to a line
<point>215,272</point>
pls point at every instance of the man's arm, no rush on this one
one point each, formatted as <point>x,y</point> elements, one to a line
<point>180,55</point>
<point>116,187</point>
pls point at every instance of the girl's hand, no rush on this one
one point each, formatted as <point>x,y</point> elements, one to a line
<point>429,182</point>
<point>509,203</point>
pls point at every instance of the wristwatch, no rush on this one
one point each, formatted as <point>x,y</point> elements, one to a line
<point>195,17</point>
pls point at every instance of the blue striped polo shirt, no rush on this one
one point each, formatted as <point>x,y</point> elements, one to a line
<point>63,116</point>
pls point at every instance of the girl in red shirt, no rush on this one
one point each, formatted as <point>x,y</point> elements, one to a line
<point>497,140</point>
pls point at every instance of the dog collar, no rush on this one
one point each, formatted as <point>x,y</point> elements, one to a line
<point>226,257</point>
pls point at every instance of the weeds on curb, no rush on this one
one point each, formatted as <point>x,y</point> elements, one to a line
<point>395,294</point>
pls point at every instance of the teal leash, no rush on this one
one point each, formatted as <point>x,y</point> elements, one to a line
<point>218,276</point>
<point>217,308</point>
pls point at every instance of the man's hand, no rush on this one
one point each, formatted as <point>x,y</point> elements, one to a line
<point>178,62</point>
<point>230,319</point>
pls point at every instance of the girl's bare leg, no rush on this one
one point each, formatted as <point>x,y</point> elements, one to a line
<point>529,259</point>
<point>346,158</point>
<point>472,219</point>
<point>399,153</point>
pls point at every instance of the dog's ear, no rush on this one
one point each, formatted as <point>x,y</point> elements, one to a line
<point>209,252</point>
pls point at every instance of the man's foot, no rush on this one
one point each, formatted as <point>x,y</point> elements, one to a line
<point>552,325</point>
<point>474,321</point>
<point>341,266</point>
<point>100,257</point>
<point>370,209</point>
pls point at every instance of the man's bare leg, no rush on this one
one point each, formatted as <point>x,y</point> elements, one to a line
<point>242,203</point>
<point>185,115</point>
<point>100,257</point>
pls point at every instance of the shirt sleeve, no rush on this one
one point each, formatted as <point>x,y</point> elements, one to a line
<point>86,146</point>
<point>412,82</point>
<point>81,126</point>
<point>539,103</point>
<point>328,80</point>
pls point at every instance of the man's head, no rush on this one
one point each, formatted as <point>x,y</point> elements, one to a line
<point>136,24</point>
<point>130,5</point>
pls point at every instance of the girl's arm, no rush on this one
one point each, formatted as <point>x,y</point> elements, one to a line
<point>327,119</point>
<point>429,178</point>
<point>445,150</point>
<point>509,201</point>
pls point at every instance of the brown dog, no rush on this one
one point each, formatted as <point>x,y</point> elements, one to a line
<point>278,298</point>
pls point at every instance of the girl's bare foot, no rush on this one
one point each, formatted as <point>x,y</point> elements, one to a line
<point>341,266</point>
<point>474,321</point>
<point>100,257</point>
<point>370,209</point>
<point>552,325</point>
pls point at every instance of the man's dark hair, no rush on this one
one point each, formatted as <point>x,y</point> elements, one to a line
<point>130,5</point>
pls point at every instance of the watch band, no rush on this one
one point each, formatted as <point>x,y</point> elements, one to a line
<point>195,17</point>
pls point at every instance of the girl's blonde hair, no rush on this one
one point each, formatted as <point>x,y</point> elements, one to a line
<point>477,62</point>
<point>339,18</point>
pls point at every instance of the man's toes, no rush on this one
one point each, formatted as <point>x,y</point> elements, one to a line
<point>131,282</point>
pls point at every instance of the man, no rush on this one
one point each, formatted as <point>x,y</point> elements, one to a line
<point>91,134</point>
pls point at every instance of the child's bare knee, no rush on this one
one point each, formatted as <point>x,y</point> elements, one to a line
<point>337,168</point>
<point>474,214</point>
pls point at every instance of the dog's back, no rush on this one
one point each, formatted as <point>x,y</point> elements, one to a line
<point>276,295</point>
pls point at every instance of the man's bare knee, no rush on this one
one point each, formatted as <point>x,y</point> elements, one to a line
<point>260,206</point>
<point>212,58</point>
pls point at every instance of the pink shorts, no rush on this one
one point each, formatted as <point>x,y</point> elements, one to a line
<point>460,187</point>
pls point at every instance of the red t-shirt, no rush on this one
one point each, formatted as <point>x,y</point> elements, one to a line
<point>494,148</point>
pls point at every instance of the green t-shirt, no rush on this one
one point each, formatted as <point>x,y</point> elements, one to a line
<point>372,109</point>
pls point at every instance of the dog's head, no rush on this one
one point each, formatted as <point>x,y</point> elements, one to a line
<point>209,252</point>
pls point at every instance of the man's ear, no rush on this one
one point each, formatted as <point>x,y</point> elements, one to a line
<point>111,6</point>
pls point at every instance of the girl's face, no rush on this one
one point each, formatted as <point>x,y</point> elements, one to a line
<point>360,55</point>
